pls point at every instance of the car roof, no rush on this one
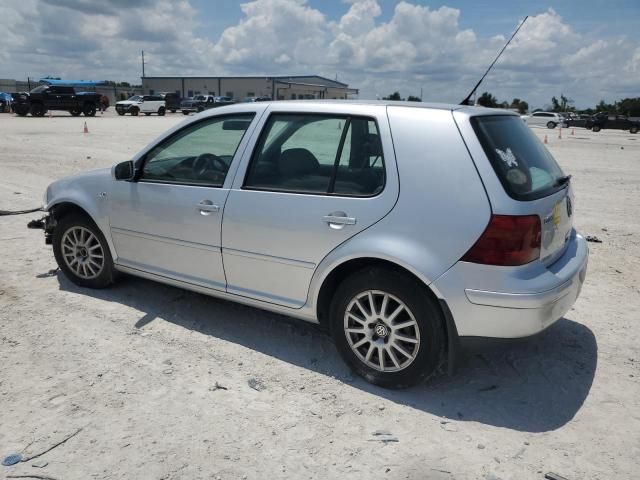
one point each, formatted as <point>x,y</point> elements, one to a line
<point>394,103</point>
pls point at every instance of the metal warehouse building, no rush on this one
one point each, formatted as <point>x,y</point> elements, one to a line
<point>280,87</point>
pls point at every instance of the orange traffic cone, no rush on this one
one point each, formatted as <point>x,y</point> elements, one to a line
<point>545,140</point>
<point>560,134</point>
<point>86,130</point>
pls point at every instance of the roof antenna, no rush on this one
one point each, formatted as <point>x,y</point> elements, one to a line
<point>466,100</point>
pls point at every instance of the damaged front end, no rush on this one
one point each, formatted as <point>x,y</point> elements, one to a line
<point>47,223</point>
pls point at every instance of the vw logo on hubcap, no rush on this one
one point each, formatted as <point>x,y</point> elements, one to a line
<point>381,330</point>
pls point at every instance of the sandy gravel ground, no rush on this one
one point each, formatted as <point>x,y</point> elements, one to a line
<point>159,379</point>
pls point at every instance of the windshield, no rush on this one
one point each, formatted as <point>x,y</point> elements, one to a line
<point>135,98</point>
<point>525,167</point>
<point>39,89</point>
<point>199,97</point>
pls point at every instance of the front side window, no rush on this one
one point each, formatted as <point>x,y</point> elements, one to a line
<point>524,166</point>
<point>319,154</point>
<point>199,154</point>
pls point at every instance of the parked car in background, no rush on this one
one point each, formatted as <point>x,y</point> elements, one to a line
<point>257,99</point>
<point>317,211</point>
<point>146,104</point>
<point>200,103</point>
<point>56,97</point>
<point>548,119</point>
<point>172,101</point>
<point>5,102</point>
<point>603,120</point>
<point>578,120</point>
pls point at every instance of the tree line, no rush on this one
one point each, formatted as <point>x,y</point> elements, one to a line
<point>625,106</point>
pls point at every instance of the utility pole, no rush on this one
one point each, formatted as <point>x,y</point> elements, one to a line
<point>421,99</point>
<point>142,63</point>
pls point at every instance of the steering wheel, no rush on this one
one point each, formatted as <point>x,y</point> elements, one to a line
<point>207,162</point>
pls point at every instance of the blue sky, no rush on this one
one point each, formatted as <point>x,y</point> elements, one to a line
<point>589,50</point>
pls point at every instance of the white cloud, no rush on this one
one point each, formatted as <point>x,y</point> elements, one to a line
<point>415,47</point>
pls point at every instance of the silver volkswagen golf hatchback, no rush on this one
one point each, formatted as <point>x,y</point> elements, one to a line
<point>403,228</point>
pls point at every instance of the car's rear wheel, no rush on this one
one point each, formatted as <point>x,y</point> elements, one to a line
<point>161,111</point>
<point>82,252</point>
<point>89,109</point>
<point>38,110</point>
<point>185,112</point>
<point>135,111</point>
<point>551,125</point>
<point>595,128</point>
<point>633,129</point>
<point>75,112</point>
<point>173,111</point>
<point>387,327</point>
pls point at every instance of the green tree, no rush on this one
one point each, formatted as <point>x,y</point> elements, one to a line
<point>521,105</point>
<point>393,96</point>
<point>487,100</point>
<point>411,98</point>
<point>565,104</point>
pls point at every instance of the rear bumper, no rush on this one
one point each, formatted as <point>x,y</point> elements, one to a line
<point>513,302</point>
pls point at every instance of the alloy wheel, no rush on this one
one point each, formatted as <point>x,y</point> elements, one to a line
<point>382,331</point>
<point>82,252</point>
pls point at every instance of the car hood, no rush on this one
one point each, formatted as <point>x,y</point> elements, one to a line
<point>65,188</point>
<point>126,102</point>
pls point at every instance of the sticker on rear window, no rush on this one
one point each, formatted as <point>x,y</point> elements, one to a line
<point>507,157</point>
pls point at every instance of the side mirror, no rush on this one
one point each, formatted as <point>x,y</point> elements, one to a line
<point>124,171</point>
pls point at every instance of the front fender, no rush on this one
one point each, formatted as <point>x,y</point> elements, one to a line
<point>90,192</point>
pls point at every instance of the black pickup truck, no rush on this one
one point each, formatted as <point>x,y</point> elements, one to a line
<point>603,121</point>
<point>56,97</point>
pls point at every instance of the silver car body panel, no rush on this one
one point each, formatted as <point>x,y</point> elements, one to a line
<point>274,251</point>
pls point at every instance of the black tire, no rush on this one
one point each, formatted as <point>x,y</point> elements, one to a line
<point>38,110</point>
<point>595,128</point>
<point>89,109</point>
<point>551,125</point>
<point>429,322</point>
<point>121,113</point>
<point>173,111</point>
<point>161,111</point>
<point>22,110</point>
<point>107,275</point>
<point>135,111</point>
<point>75,112</point>
<point>185,112</point>
<point>633,129</point>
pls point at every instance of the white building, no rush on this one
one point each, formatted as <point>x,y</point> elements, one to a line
<point>238,88</point>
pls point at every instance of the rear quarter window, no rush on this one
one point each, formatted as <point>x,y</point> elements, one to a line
<point>524,166</point>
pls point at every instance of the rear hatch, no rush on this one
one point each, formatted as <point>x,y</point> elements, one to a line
<point>529,174</point>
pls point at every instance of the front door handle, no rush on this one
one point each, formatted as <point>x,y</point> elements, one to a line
<point>338,220</point>
<point>207,207</point>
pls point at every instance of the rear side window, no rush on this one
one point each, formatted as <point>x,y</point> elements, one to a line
<point>524,166</point>
<point>318,154</point>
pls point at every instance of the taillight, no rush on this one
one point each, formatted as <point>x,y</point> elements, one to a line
<point>508,240</point>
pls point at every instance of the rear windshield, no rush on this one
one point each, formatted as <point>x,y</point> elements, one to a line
<point>525,167</point>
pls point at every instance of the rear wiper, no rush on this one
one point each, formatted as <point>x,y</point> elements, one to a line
<point>562,181</point>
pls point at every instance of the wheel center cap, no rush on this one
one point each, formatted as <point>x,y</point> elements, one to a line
<point>381,330</point>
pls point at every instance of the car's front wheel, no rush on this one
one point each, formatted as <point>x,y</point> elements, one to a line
<point>633,129</point>
<point>161,111</point>
<point>82,252</point>
<point>387,327</point>
<point>595,128</point>
<point>134,111</point>
<point>551,125</point>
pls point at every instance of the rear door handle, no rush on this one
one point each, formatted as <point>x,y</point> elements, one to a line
<point>207,207</point>
<point>337,221</point>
